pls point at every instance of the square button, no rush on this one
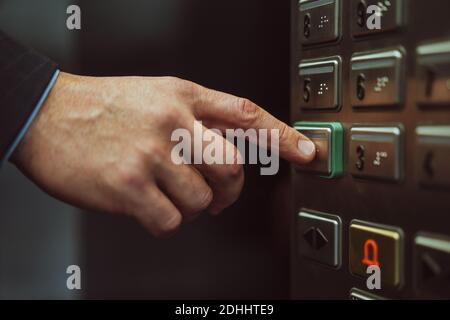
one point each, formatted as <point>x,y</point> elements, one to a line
<point>328,138</point>
<point>376,153</point>
<point>433,156</point>
<point>432,265</point>
<point>318,21</point>
<point>319,237</point>
<point>320,83</point>
<point>367,12</point>
<point>357,294</point>
<point>375,244</point>
<point>377,78</point>
<point>433,74</point>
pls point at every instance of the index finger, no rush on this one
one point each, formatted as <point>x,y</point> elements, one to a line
<point>225,111</point>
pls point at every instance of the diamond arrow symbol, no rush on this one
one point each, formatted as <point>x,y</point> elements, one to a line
<point>315,238</point>
<point>321,240</point>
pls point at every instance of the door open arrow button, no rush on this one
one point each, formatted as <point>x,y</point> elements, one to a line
<point>315,238</point>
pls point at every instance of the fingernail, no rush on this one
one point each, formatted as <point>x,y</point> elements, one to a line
<point>306,147</point>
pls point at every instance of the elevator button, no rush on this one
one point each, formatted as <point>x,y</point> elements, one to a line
<point>376,153</point>
<point>433,156</point>
<point>376,79</point>
<point>318,21</point>
<point>373,244</point>
<point>432,265</point>
<point>434,74</point>
<point>319,237</point>
<point>375,16</point>
<point>328,138</point>
<point>357,294</point>
<point>320,83</point>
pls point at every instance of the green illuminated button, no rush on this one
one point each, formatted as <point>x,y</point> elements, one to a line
<point>328,138</point>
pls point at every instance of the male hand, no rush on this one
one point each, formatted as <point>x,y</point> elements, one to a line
<point>104,144</point>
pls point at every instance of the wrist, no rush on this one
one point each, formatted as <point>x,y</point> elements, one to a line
<point>19,153</point>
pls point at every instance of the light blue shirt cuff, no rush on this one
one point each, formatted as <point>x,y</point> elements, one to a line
<point>30,120</point>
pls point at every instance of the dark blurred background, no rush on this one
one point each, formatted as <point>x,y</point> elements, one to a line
<point>241,47</point>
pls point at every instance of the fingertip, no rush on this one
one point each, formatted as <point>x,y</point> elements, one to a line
<point>307,149</point>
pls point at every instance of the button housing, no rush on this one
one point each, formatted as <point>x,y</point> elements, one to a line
<point>327,249</point>
<point>377,79</point>
<point>320,81</point>
<point>319,21</point>
<point>376,153</point>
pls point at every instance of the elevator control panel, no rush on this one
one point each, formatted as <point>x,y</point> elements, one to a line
<point>370,86</point>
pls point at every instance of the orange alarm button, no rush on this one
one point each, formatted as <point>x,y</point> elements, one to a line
<point>379,245</point>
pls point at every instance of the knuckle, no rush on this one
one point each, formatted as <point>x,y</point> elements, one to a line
<point>169,116</point>
<point>234,171</point>
<point>247,111</point>
<point>129,173</point>
<point>229,195</point>
<point>184,89</point>
<point>153,154</point>
<point>283,132</point>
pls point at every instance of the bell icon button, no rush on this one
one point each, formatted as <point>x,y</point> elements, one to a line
<point>380,245</point>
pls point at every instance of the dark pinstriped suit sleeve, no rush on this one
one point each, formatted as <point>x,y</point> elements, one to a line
<point>24,77</point>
